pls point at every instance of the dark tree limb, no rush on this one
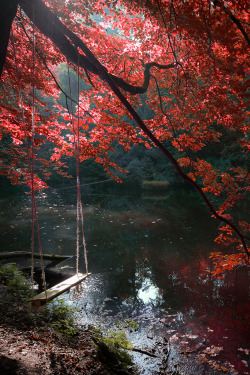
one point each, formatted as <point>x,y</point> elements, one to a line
<point>8,9</point>
<point>173,161</point>
<point>235,20</point>
<point>50,25</point>
<point>48,21</point>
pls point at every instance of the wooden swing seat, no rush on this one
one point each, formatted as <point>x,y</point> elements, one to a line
<point>43,298</point>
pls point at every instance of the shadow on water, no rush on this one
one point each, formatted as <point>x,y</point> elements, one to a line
<point>149,258</point>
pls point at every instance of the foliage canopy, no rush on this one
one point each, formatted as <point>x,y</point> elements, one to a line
<point>187,61</point>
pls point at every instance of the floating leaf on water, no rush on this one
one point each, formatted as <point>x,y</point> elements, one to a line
<point>246,351</point>
<point>213,351</point>
<point>244,363</point>
<point>191,336</point>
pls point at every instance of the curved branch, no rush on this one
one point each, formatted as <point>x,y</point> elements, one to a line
<point>174,162</point>
<point>49,24</point>
<point>52,27</point>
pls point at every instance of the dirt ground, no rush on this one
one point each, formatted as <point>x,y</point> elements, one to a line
<point>28,349</point>
<point>26,352</point>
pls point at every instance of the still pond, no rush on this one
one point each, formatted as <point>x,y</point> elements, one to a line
<point>149,259</point>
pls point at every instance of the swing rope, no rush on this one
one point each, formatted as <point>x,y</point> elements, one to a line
<point>32,170</point>
<point>31,158</point>
<point>79,210</point>
<point>31,167</point>
<point>78,161</point>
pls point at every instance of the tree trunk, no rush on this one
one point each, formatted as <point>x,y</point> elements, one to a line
<point>8,9</point>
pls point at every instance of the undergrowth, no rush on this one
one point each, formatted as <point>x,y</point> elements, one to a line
<point>117,343</point>
<point>15,307</point>
<point>13,278</point>
<point>60,316</point>
<point>59,319</point>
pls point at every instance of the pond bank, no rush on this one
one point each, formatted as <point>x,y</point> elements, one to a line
<point>30,345</point>
<point>35,344</point>
<point>32,352</point>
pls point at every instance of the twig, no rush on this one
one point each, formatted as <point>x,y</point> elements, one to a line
<point>144,352</point>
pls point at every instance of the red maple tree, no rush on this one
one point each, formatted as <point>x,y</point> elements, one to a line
<point>190,57</point>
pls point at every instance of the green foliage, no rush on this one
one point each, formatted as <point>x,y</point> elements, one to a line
<point>132,324</point>
<point>129,324</point>
<point>143,164</point>
<point>117,342</point>
<point>11,276</point>
<point>60,316</point>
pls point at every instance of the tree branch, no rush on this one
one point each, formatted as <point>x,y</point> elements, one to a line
<point>53,28</point>
<point>46,21</point>
<point>8,11</point>
<point>234,19</point>
<point>50,25</point>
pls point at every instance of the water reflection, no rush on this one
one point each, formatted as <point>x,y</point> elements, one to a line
<point>148,293</point>
<point>149,262</point>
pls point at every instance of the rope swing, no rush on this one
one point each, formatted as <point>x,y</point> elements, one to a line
<point>30,159</point>
<point>34,211</point>
<point>48,294</point>
<point>44,297</point>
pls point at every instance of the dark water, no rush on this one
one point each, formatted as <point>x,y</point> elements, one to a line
<point>149,258</point>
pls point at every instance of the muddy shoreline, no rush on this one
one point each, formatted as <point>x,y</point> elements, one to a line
<point>30,347</point>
